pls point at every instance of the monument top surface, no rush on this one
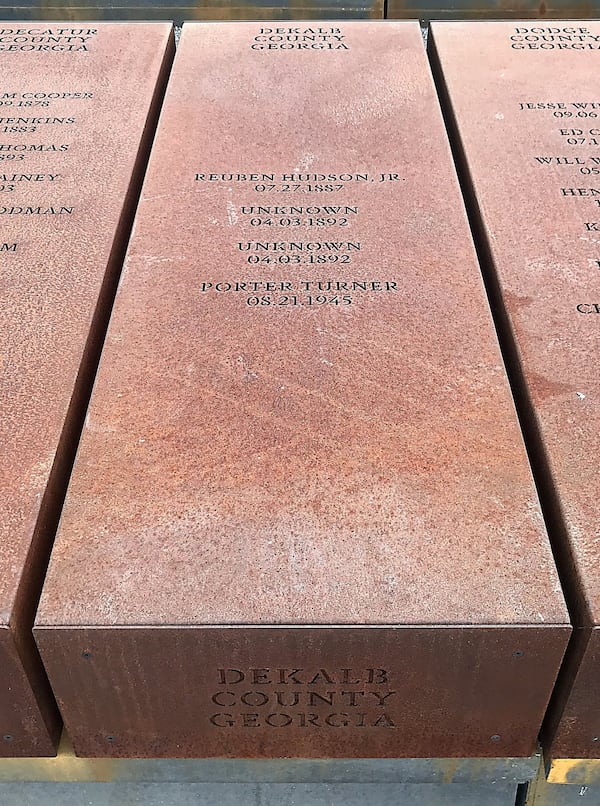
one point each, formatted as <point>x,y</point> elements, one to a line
<point>301,414</point>
<point>528,119</point>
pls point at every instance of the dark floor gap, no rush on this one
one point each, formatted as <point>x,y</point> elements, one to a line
<point>521,797</point>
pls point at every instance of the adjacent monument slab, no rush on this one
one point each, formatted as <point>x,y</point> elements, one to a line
<point>302,521</point>
<point>76,111</point>
<point>528,126</point>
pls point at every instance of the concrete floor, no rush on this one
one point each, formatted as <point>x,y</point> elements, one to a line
<point>77,794</point>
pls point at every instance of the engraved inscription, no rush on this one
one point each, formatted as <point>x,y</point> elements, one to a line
<point>40,99</point>
<point>564,170</point>
<point>36,210</point>
<point>17,152</point>
<point>30,177</point>
<point>538,37</point>
<point>299,237</point>
<point>299,292</point>
<point>302,697</point>
<point>299,38</point>
<point>56,40</point>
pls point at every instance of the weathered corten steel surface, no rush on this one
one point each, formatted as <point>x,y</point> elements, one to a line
<point>528,122</point>
<point>577,732</point>
<point>75,105</point>
<point>302,451</point>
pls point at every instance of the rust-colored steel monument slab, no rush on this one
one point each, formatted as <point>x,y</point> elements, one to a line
<point>302,520</point>
<point>528,126</point>
<point>76,108</point>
